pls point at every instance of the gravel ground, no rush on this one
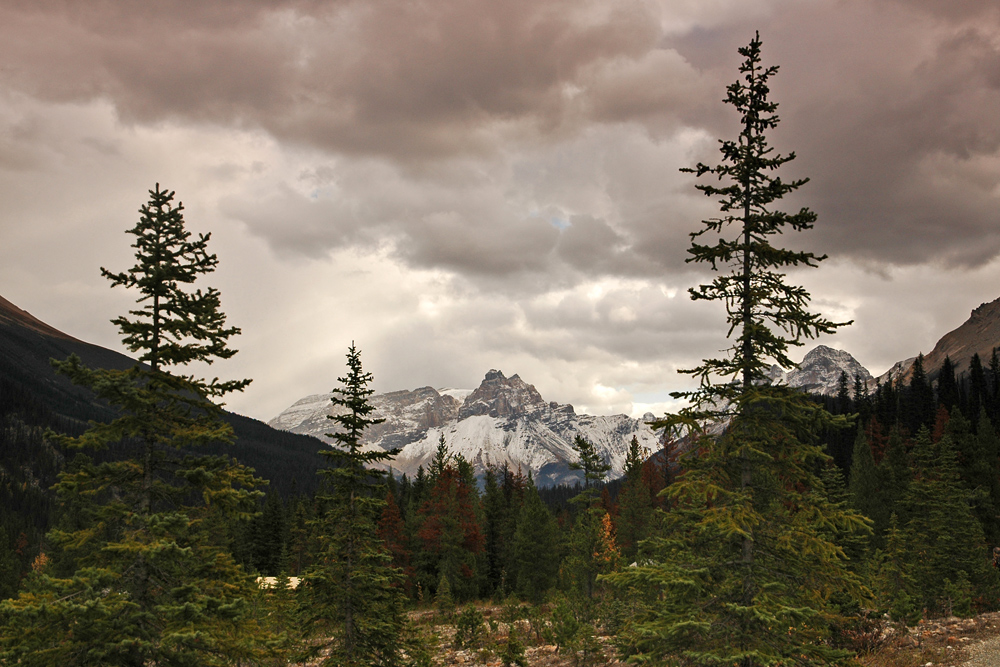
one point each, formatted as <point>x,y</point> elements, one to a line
<point>986,654</point>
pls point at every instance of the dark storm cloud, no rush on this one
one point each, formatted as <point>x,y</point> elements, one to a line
<point>897,129</point>
<point>891,107</point>
<point>404,79</point>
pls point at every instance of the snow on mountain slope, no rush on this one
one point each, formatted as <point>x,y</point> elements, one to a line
<point>502,422</point>
<point>407,415</point>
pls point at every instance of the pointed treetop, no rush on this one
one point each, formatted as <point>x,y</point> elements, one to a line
<point>175,324</point>
<point>765,314</point>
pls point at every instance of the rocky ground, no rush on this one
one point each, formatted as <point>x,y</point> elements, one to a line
<point>951,642</point>
<point>538,651</point>
<point>948,642</point>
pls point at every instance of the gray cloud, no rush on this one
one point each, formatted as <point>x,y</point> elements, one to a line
<point>891,107</point>
<point>408,80</point>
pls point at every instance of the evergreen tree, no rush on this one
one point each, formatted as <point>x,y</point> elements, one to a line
<point>947,386</point>
<point>503,497</point>
<point>352,600</point>
<point>867,488</point>
<point>895,467</point>
<point>635,504</point>
<point>893,581</point>
<point>854,543</point>
<point>494,534</point>
<point>588,461</point>
<point>299,534</point>
<point>266,538</point>
<point>536,548</point>
<point>450,534</point>
<point>994,387</point>
<point>146,578</point>
<point>944,541</point>
<point>862,401</point>
<point>919,398</point>
<point>592,550</point>
<point>978,458</point>
<point>441,458</point>
<point>744,573</point>
<point>391,530</point>
<point>978,391</point>
<point>839,441</point>
<point>10,566</point>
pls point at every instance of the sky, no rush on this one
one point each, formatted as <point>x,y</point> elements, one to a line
<point>463,185</point>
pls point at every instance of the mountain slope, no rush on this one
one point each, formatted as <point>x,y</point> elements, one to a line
<point>504,421</point>
<point>977,335</point>
<point>27,379</point>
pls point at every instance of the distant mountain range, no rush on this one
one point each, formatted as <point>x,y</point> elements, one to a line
<point>503,421</point>
<point>506,421</point>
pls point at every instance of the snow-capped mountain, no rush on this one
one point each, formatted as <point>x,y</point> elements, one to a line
<point>820,370</point>
<point>503,421</point>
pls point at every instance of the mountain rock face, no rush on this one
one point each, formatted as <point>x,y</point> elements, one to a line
<point>408,416</point>
<point>498,396</point>
<point>820,370</point>
<point>504,421</point>
<point>977,335</point>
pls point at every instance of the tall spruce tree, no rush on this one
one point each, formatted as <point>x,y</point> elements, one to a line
<point>947,388</point>
<point>589,462</point>
<point>592,550</point>
<point>945,543</point>
<point>868,489</point>
<point>744,573</point>
<point>767,314</point>
<point>351,606</point>
<point>635,504</point>
<point>978,389</point>
<point>919,398</point>
<point>450,533</point>
<point>141,574</point>
<point>535,548</point>
<point>503,497</point>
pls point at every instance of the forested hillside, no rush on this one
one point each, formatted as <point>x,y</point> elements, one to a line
<point>34,399</point>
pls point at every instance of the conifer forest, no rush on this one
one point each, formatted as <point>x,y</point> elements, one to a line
<point>771,529</point>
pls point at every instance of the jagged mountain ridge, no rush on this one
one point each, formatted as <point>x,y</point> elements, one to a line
<point>407,414</point>
<point>503,421</point>
<point>506,421</point>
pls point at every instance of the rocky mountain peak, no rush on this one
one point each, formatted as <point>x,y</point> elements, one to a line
<point>985,311</point>
<point>499,396</point>
<point>820,370</point>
